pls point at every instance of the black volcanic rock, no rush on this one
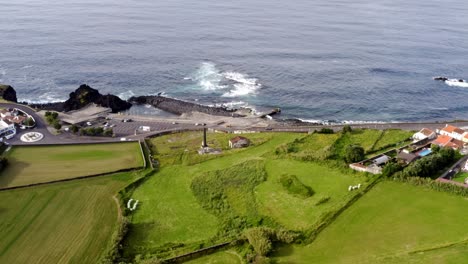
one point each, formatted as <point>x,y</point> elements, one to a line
<point>179,107</point>
<point>85,95</point>
<point>8,93</point>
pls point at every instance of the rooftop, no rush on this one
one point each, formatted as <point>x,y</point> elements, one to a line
<point>237,139</point>
<point>453,129</point>
<point>426,131</point>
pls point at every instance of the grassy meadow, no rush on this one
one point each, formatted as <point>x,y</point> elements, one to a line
<point>39,164</point>
<point>69,222</point>
<point>392,223</point>
<point>188,206</point>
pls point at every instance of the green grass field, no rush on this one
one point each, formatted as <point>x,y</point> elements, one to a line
<point>181,148</point>
<point>69,222</point>
<point>222,257</point>
<point>170,212</point>
<point>393,136</point>
<point>39,164</point>
<point>297,213</point>
<point>460,177</point>
<point>393,223</point>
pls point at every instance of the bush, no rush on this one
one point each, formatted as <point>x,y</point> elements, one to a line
<point>354,153</point>
<point>74,129</point>
<point>29,121</point>
<point>295,187</point>
<point>347,128</point>
<point>326,131</point>
<point>57,125</point>
<point>391,168</point>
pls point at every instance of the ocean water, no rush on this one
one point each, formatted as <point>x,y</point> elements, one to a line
<point>360,60</point>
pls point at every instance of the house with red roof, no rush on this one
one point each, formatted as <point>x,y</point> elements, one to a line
<point>452,131</point>
<point>239,142</point>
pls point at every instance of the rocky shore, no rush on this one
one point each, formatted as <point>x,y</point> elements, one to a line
<point>179,107</point>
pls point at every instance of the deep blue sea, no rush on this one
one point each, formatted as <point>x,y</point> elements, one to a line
<point>360,60</point>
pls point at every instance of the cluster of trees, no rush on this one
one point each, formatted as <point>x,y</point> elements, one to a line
<point>52,119</point>
<point>425,167</point>
<point>95,131</point>
<point>262,238</point>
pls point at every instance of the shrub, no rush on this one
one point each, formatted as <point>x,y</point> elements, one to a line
<point>326,131</point>
<point>74,129</point>
<point>294,186</point>
<point>354,153</point>
<point>29,121</point>
<point>347,128</point>
<point>57,125</point>
<point>259,238</point>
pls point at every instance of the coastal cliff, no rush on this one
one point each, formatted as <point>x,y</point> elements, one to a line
<point>8,93</point>
<point>179,107</point>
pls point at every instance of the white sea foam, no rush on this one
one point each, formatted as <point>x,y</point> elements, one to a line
<point>126,95</point>
<point>455,82</point>
<point>27,66</point>
<point>342,122</point>
<point>231,84</point>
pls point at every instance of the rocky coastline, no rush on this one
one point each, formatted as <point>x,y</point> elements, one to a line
<point>85,95</point>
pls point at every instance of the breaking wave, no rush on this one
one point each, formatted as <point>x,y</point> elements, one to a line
<point>229,84</point>
<point>126,95</point>
<point>455,82</point>
<point>342,122</point>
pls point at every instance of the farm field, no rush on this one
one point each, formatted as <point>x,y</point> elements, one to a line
<point>222,257</point>
<point>176,212</point>
<point>39,164</point>
<point>297,213</point>
<point>170,212</point>
<point>69,222</point>
<point>392,223</point>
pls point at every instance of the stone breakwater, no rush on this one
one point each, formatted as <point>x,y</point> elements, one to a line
<point>179,107</point>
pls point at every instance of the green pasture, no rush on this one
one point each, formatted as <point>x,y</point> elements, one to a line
<point>298,213</point>
<point>39,164</point>
<point>69,222</point>
<point>392,223</point>
<point>460,177</point>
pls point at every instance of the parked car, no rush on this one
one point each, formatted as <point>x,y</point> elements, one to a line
<point>89,123</point>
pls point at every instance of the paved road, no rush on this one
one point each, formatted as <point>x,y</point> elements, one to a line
<point>127,130</point>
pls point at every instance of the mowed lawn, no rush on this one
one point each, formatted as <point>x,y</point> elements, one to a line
<point>297,213</point>
<point>39,164</point>
<point>69,222</point>
<point>392,223</point>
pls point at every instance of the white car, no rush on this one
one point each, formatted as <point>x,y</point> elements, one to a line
<point>89,123</point>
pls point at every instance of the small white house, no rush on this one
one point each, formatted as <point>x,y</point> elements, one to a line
<point>424,133</point>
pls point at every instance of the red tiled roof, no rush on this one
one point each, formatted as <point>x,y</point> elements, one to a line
<point>237,139</point>
<point>441,140</point>
<point>451,129</point>
<point>426,131</point>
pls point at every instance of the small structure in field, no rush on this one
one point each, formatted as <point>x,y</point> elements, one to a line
<point>239,142</point>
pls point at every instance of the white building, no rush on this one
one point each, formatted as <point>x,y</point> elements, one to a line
<point>7,129</point>
<point>424,133</point>
<point>452,131</point>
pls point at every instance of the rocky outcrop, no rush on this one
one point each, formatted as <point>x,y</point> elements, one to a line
<point>179,107</point>
<point>439,78</point>
<point>8,93</point>
<point>83,96</point>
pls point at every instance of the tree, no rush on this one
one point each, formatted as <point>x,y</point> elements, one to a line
<point>57,125</point>
<point>347,128</point>
<point>74,129</point>
<point>108,132</point>
<point>391,167</point>
<point>29,121</point>
<point>435,148</point>
<point>354,153</point>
